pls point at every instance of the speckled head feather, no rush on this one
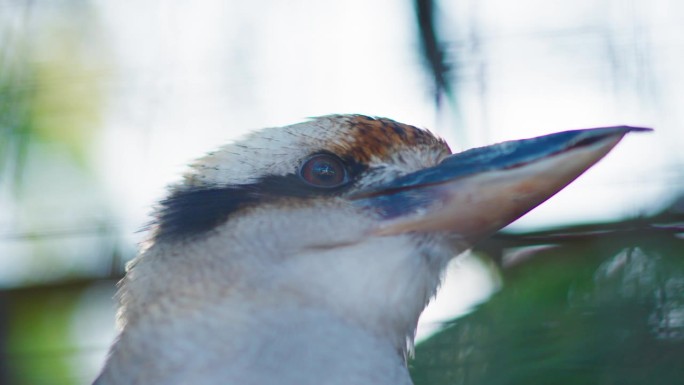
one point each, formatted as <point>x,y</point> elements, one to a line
<point>278,150</point>
<point>379,139</point>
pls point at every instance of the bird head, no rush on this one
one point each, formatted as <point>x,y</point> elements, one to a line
<point>346,215</point>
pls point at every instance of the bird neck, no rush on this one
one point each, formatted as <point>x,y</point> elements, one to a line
<point>262,344</point>
<point>204,309</point>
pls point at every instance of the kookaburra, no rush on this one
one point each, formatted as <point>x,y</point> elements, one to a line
<point>304,254</point>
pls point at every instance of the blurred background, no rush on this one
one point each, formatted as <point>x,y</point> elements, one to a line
<point>102,104</point>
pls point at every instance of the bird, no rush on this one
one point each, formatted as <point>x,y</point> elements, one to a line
<point>305,254</point>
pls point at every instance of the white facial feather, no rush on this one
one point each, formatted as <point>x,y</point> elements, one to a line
<point>273,150</point>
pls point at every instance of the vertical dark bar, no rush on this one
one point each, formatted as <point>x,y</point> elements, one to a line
<point>431,47</point>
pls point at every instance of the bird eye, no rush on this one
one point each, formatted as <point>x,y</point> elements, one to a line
<point>324,170</point>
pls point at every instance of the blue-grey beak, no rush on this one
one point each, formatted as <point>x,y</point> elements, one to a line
<point>479,191</point>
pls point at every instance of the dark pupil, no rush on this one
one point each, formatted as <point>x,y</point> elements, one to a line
<point>324,172</point>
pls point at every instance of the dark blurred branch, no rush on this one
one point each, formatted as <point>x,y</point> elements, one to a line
<point>431,47</point>
<point>665,226</point>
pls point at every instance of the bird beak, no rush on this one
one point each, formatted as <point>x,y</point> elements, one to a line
<point>479,191</point>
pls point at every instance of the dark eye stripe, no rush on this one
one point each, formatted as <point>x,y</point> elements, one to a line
<point>188,212</point>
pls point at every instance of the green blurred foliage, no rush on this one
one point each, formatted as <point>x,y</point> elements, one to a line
<point>602,310</point>
<point>38,335</point>
<point>52,71</point>
<point>50,88</point>
<point>53,67</point>
<point>66,107</point>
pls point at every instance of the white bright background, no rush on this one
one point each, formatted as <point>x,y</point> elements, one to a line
<point>193,75</point>
<point>181,78</point>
